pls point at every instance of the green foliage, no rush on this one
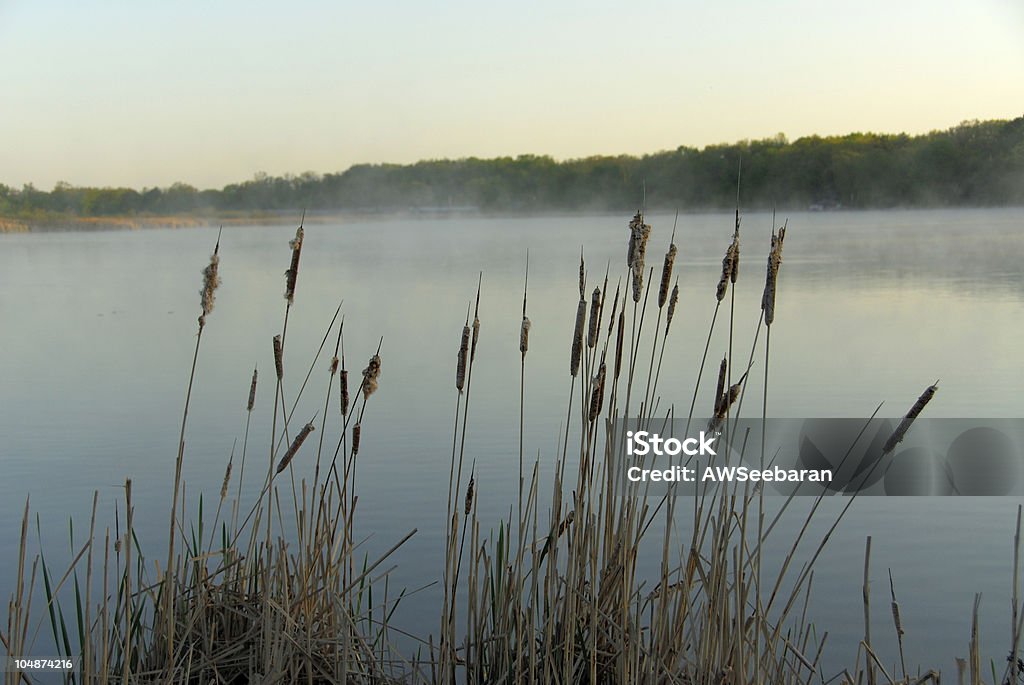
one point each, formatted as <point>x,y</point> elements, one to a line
<point>975,163</point>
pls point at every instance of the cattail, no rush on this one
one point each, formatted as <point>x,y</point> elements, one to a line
<point>597,394</point>
<point>344,392</point>
<point>469,497</point>
<point>672,302</point>
<point>292,274</point>
<point>896,619</point>
<point>227,479</point>
<point>720,391</point>
<point>595,319</point>
<point>901,430</point>
<point>583,276</point>
<point>252,391</point>
<point>334,365</point>
<point>296,444</point>
<point>619,340</point>
<point>666,275</point>
<point>279,357</point>
<point>577,338</point>
<point>615,309</point>
<point>211,280</point>
<point>639,232</point>
<point>735,271</point>
<point>357,432</point>
<point>476,336</point>
<point>772,276</point>
<point>728,266</point>
<point>524,336</point>
<point>460,367</point>
<point>371,374</point>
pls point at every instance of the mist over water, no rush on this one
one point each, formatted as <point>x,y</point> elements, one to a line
<point>98,331</point>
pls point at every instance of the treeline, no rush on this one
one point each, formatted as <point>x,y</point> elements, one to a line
<point>975,163</point>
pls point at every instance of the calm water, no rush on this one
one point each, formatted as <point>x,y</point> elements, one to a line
<point>97,334</point>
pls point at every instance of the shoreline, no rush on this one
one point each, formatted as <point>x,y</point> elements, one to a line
<point>68,224</point>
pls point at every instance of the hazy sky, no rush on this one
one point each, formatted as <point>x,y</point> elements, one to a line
<point>146,93</point>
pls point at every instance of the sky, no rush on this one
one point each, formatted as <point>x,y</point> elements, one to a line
<point>147,93</point>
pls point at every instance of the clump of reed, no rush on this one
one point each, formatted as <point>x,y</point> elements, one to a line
<point>552,594</point>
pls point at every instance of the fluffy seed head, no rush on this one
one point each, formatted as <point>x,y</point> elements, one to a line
<point>371,374</point>
<point>296,444</point>
<point>772,276</point>
<point>728,266</point>
<point>292,274</point>
<point>211,279</point>
<point>334,365</point>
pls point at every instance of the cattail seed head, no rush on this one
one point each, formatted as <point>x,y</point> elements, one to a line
<point>344,392</point>
<point>577,338</point>
<point>583,276</point>
<point>908,420</point>
<point>371,374</point>
<point>476,336</point>
<point>772,276</point>
<point>334,365</point>
<point>292,274</point>
<point>896,619</point>
<point>597,394</point>
<point>666,275</point>
<point>619,342</point>
<point>227,479</point>
<point>595,318</point>
<point>279,357</point>
<point>728,266</point>
<point>469,497</point>
<point>252,391</point>
<point>296,444</point>
<point>357,433</point>
<point>211,279</point>
<point>615,309</point>
<point>524,336</point>
<point>735,271</point>
<point>672,302</point>
<point>639,233</point>
<point>460,366</point>
<point>720,391</point>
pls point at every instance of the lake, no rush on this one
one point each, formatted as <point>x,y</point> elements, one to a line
<point>98,332</point>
